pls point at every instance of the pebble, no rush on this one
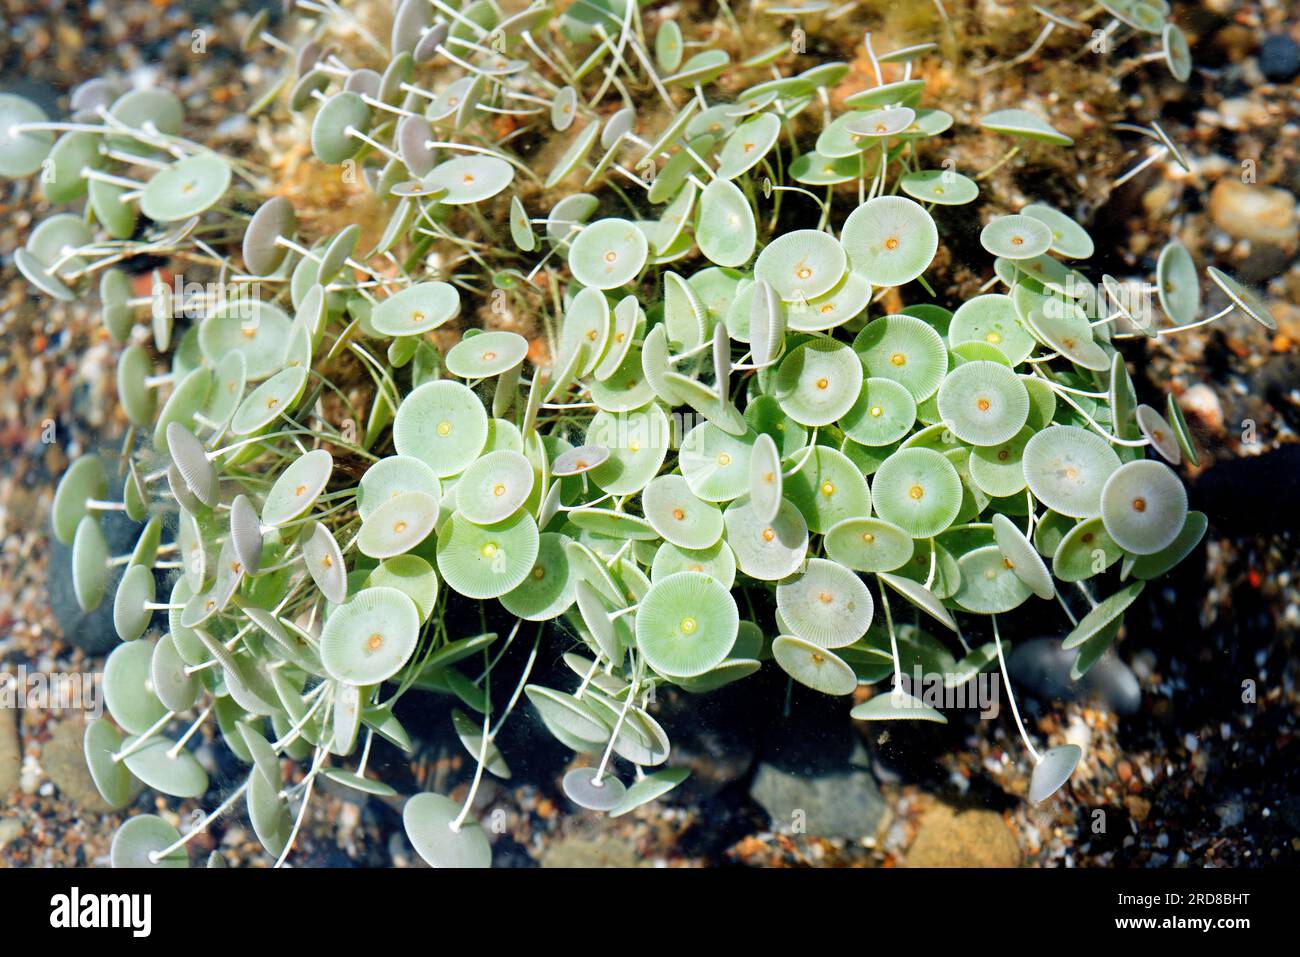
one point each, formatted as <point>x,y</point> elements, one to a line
<point>64,761</point>
<point>10,756</point>
<point>1279,58</point>
<point>974,838</point>
<point>1203,403</point>
<point>846,804</point>
<point>600,852</point>
<point>1261,214</point>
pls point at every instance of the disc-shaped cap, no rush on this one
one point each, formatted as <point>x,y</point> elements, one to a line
<point>274,219</point>
<point>296,488</point>
<point>416,310</point>
<point>818,382</point>
<point>84,480</point>
<point>905,349</point>
<point>1052,771</point>
<point>918,490</point>
<point>1026,125</point>
<point>1016,237</point>
<point>608,253</point>
<point>983,403</point>
<point>331,139</point>
<point>686,624</point>
<point>1144,506</point>
<point>185,188</point>
<point>1178,284</point>
<point>768,551</point>
<point>127,693</point>
<point>813,665</point>
<point>678,516</point>
<point>369,638</point>
<point>21,151</point>
<point>802,264</point>
<point>134,592</point>
<point>825,604</point>
<point>443,424</point>
<point>470,179</point>
<point>398,525</point>
<point>868,544</point>
<point>89,564</point>
<point>429,819</point>
<point>547,590</point>
<point>1066,468</point>
<point>1243,298</point>
<point>1022,557</point>
<point>111,778</point>
<point>486,561</point>
<point>890,240</point>
<point>143,836</point>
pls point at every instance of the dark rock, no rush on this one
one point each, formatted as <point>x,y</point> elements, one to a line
<point>708,737</point>
<point>844,803</point>
<point>92,631</point>
<point>1279,58</point>
<point>1042,668</point>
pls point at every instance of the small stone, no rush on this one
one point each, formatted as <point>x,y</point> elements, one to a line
<point>1261,214</point>
<point>64,762</point>
<point>11,829</point>
<point>1201,403</point>
<point>600,852</point>
<point>975,838</point>
<point>1279,58</point>
<point>843,804</point>
<point>10,756</point>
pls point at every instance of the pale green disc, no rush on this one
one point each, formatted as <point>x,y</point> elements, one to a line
<point>883,413</point>
<point>398,525</point>
<point>905,349</point>
<point>428,820</point>
<point>547,591</point>
<point>802,264</point>
<point>393,475</point>
<point>608,253</point>
<point>716,463</point>
<point>112,779</point>
<point>1144,506</point>
<point>416,310</point>
<point>1066,468</point>
<point>443,424</point>
<point>678,516</point>
<point>827,489</point>
<point>717,560</point>
<point>686,624</point>
<point>142,836</point>
<point>296,488</point>
<point>918,490</point>
<point>868,544</point>
<point>814,665</point>
<point>891,240</point>
<point>726,231</point>
<point>486,561</point>
<point>988,585</point>
<point>825,604</point>
<point>819,381</point>
<point>768,551</point>
<point>370,638</point>
<point>185,188</point>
